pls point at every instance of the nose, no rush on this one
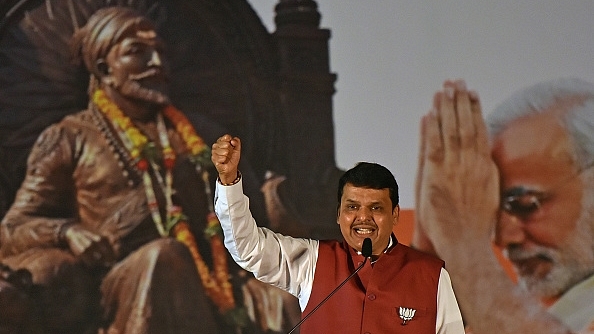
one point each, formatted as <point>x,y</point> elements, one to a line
<point>509,230</point>
<point>364,214</point>
<point>155,59</point>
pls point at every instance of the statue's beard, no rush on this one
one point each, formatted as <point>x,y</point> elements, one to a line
<point>132,88</point>
<point>135,90</point>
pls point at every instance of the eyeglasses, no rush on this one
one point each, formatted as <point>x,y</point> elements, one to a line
<point>521,201</point>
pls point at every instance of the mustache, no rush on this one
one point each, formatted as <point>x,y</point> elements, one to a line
<point>518,255</point>
<point>151,72</point>
<point>134,89</point>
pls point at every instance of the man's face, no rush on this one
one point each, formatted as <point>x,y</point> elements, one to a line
<point>367,213</point>
<point>545,230</point>
<point>137,68</point>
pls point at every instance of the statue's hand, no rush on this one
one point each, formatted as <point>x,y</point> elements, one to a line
<point>264,304</point>
<point>91,248</point>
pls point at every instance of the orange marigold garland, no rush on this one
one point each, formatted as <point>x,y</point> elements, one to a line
<point>216,283</point>
<point>217,286</point>
<point>213,233</point>
<point>198,148</point>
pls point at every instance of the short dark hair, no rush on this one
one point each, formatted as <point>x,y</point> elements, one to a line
<point>369,175</point>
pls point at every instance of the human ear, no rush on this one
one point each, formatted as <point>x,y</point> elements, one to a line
<point>102,67</point>
<point>105,72</point>
<point>396,214</point>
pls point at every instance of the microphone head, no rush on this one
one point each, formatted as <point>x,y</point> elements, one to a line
<point>366,247</point>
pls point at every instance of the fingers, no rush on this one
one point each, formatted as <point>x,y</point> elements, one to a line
<point>225,157</point>
<point>97,252</point>
<point>223,149</point>
<point>466,130</point>
<point>450,169</point>
<point>433,138</point>
<point>460,119</point>
<point>225,153</point>
<point>259,301</point>
<point>420,240</point>
<point>421,161</point>
<point>482,135</point>
<point>108,256</point>
<point>429,141</point>
<point>448,122</point>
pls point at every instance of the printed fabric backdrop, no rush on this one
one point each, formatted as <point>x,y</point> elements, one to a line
<point>529,270</point>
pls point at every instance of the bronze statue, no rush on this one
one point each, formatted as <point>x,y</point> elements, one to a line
<point>114,218</point>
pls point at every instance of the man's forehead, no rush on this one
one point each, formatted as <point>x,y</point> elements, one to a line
<point>351,192</point>
<point>365,201</point>
<point>531,147</point>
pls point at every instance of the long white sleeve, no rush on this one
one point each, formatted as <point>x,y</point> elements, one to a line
<point>285,262</point>
<point>449,319</point>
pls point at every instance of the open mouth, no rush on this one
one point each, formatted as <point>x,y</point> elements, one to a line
<point>363,230</point>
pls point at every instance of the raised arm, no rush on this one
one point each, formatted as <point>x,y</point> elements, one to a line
<point>282,261</point>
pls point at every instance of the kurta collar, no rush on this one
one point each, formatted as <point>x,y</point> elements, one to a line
<point>575,307</point>
<point>391,243</point>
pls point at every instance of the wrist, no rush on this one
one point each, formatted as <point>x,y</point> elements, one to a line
<point>226,182</point>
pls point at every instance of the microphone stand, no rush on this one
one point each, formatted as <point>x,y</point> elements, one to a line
<point>366,251</point>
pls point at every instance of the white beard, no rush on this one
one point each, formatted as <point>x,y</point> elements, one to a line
<point>573,261</point>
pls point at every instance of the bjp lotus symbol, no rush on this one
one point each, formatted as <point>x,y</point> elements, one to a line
<point>406,314</point>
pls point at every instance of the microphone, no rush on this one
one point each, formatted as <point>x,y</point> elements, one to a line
<point>366,250</point>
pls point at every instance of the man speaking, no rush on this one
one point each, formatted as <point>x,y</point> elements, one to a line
<point>400,290</point>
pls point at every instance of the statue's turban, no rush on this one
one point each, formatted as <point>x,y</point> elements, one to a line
<point>104,29</point>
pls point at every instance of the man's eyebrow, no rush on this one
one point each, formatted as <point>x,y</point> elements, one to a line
<point>519,191</point>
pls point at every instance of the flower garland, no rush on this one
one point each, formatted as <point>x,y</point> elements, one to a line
<point>144,154</point>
